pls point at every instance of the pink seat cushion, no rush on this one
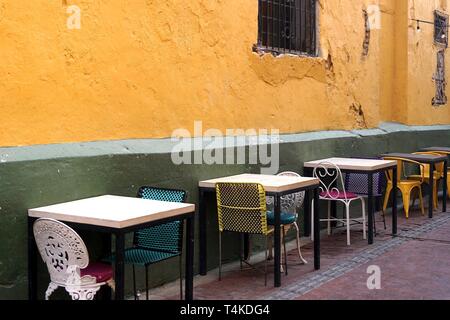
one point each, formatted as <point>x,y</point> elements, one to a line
<point>102,272</point>
<point>341,195</point>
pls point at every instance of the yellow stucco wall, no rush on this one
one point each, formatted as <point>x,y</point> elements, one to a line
<point>422,60</point>
<point>142,68</point>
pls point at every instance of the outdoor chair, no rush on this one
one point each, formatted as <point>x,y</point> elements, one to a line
<point>405,185</point>
<point>441,153</point>
<point>67,260</point>
<point>357,183</point>
<point>290,205</point>
<point>241,208</point>
<point>438,174</point>
<point>158,243</point>
<point>332,189</point>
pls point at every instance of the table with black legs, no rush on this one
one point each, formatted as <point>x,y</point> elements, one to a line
<point>363,166</point>
<point>275,186</point>
<point>431,160</point>
<point>116,216</point>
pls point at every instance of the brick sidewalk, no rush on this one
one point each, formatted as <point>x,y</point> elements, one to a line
<point>415,265</point>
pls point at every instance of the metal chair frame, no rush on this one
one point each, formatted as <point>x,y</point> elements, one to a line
<point>332,191</point>
<point>65,255</point>
<point>136,244</point>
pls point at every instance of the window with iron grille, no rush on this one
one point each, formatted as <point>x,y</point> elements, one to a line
<point>440,97</point>
<point>287,26</point>
<point>441,28</point>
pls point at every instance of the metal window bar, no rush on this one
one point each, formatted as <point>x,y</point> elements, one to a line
<point>287,26</point>
<point>441,28</point>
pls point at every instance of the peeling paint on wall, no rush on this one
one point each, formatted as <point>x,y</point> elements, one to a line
<point>366,43</point>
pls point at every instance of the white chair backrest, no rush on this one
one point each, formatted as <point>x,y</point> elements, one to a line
<point>60,247</point>
<point>290,203</point>
<point>331,181</point>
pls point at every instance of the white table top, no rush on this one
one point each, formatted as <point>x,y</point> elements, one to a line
<point>270,183</point>
<point>354,164</point>
<point>112,211</point>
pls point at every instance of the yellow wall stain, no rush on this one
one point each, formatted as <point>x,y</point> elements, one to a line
<point>143,68</point>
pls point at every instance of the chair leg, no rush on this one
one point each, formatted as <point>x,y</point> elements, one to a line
<point>265,263</point>
<point>298,243</point>
<point>134,283</point>
<point>285,251</point>
<point>386,197</point>
<point>329,217</point>
<point>220,256</point>
<point>51,288</point>
<point>241,256</point>
<point>363,205</point>
<point>312,220</point>
<point>181,277</point>
<point>281,246</point>
<point>406,201</point>
<point>347,212</point>
<point>421,201</point>
<point>146,282</point>
<point>112,284</point>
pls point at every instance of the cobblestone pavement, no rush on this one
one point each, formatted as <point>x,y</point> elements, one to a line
<point>414,265</point>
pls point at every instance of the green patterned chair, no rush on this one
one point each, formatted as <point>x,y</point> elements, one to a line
<point>157,243</point>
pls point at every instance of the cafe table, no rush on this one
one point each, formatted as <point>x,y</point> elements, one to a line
<point>276,186</point>
<point>431,160</point>
<point>369,167</point>
<point>445,150</point>
<point>117,216</point>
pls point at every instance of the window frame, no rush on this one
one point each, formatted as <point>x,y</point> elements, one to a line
<point>276,51</point>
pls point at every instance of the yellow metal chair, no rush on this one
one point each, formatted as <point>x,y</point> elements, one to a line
<point>442,153</point>
<point>425,173</point>
<point>241,208</point>
<point>406,186</point>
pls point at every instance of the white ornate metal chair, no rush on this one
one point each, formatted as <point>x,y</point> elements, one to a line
<point>332,189</point>
<point>67,261</point>
<point>290,205</point>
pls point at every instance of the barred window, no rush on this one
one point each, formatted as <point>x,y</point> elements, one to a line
<point>287,26</point>
<point>441,28</point>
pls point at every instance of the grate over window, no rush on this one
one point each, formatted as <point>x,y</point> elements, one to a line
<point>441,28</point>
<point>439,78</point>
<point>287,26</point>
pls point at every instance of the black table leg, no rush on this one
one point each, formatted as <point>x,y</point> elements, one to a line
<point>32,262</point>
<point>308,172</point>
<point>105,292</point>
<point>277,240</point>
<point>316,230</point>
<point>394,201</point>
<point>189,281</point>
<point>370,206</point>
<point>444,187</point>
<point>202,232</point>
<point>307,214</point>
<point>120,266</point>
<point>430,190</point>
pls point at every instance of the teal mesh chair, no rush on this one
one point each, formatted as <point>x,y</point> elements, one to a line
<point>160,242</point>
